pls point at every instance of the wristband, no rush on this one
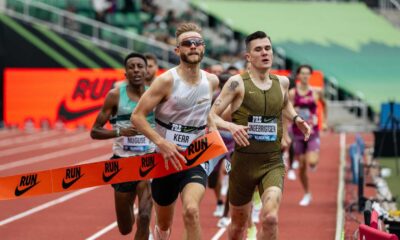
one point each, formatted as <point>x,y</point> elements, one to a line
<point>295,117</point>
<point>117,132</point>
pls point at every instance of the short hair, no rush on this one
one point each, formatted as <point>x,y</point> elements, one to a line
<point>255,35</point>
<point>134,55</point>
<point>304,66</point>
<point>231,67</point>
<point>187,27</point>
<point>223,78</point>
<point>150,56</point>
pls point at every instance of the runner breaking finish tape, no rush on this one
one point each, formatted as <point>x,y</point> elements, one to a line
<point>136,168</point>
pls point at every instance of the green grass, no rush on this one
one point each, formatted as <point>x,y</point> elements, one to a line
<point>394,180</point>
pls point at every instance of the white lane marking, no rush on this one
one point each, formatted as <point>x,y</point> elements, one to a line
<point>52,155</point>
<point>103,231</point>
<point>340,194</point>
<point>55,201</point>
<point>107,229</point>
<point>45,206</point>
<point>219,234</point>
<point>43,145</point>
<point>26,138</point>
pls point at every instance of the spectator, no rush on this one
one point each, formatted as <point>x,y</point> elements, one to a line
<point>101,7</point>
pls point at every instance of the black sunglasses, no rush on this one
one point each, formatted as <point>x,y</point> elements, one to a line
<point>188,42</point>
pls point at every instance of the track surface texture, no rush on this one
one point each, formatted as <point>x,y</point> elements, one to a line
<point>89,213</point>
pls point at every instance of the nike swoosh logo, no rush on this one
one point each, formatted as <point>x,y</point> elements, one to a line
<point>145,172</point>
<point>67,185</point>
<point>19,192</point>
<point>66,114</point>
<point>190,162</point>
<point>108,178</point>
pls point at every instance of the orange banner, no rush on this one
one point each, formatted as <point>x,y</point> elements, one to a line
<point>143,167</point>
<point>71,96</point>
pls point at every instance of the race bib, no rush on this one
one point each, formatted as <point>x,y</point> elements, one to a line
<point>138,143</point>
<point>263,128</point>
<point>306,115</point>
<point>179,138</point>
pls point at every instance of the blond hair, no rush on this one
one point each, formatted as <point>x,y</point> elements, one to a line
<point>187,27</point>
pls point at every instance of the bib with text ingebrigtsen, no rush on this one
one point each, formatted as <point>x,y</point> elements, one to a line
<point>263,128</point>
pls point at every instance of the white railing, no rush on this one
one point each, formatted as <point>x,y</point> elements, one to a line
<point>389,4</point>
<point>332,89</point>
<point>356,105</point>
<point>101,34</point>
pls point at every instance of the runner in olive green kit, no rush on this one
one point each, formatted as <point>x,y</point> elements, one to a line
<point>258,101</point>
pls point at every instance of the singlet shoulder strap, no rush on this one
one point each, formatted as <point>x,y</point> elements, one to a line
<point>174,73</point>
<point>273,77</point>
<point>245,76</point>
<point>203,75</point>
<point>122,92</point>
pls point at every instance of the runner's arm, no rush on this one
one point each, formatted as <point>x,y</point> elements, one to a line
<point>289,111</point>
<point>98,131</point>
<point>214,82</point>
<point>157,92</point>
<point>229,93</point>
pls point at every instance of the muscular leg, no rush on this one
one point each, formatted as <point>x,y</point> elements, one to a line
<point>240,216</point>
<point>271,199</point>
<point>217,189</point>
<point>145,206</point>
<point>214,182</point>
<point>291,155</point>
<point>164,216</point>
<point>124,210</point>
<point>191,195</point>
<point>312,158</point>
<point>226,208</point>
<point>303,172</point>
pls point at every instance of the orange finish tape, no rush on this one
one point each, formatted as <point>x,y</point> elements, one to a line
<point>120,170</point>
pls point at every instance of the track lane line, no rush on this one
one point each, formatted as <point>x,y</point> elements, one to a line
<point>45,206</point>
<point>26,138</point>
<point>108,228</point>
<point>219,234</point>
<point>55,201</point>
<point>44,145</point>
<point>103,231</point>
<point>340,194</point>
<point>45,157</point>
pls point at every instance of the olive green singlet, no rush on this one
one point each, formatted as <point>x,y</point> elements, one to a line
<point>266,108</point>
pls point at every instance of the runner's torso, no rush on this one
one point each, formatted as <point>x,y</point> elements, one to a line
<point>306,107</point>
<point>183,117</point>
<point>261,110</point>
<point>134,145</point>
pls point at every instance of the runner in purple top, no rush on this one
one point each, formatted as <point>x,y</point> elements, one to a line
<point>304,98</point>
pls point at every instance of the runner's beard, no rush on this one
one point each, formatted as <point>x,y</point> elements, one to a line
<point>185,58</point>
<point>149,77</point>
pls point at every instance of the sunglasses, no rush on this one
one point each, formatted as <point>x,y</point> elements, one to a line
<point>188,42</point>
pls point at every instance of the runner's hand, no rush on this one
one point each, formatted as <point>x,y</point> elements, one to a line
<point>239,134</point>
<point>304,127</point>
<point>129,131</point>
<point>171,153</point>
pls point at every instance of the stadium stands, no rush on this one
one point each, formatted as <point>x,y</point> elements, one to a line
<point>345,40</point>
